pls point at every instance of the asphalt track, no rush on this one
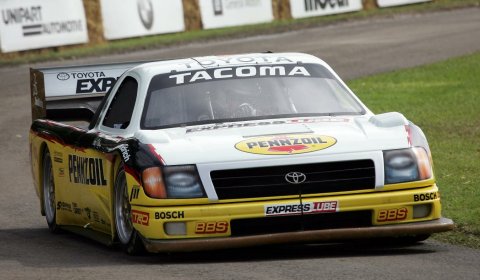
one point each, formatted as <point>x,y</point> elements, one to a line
<point>354,49</point>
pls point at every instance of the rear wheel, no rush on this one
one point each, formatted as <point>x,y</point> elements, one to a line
<point>48,188</point>
<point>126,233</point>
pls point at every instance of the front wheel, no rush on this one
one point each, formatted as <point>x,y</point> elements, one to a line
<point>48,189</point>
<point>126,233</point>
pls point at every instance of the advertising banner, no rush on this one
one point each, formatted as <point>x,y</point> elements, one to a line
<point>133,18</point>
<point>33,24</point>
<point>311,8</point>
<point>223,13</point>
<point>389,3</point>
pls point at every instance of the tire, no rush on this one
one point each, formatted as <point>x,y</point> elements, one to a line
<point>48,191</point>
<point>127,235</point>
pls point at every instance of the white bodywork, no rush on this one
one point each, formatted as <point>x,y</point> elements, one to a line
<point>212,147</point>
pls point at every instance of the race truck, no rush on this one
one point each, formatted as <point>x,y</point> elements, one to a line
<point>229,151</point>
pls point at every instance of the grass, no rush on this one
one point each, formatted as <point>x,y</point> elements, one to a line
<point>158,41</point>
<point>444,100</point>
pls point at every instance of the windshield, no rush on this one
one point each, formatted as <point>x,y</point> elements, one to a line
<point>245,93</point>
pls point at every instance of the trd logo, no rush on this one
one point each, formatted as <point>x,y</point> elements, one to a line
<point>389,215</point>
<point>141,218</point>
<point>211,227</point>
<point>95,85</point>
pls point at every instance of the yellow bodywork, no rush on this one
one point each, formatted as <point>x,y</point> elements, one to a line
<point>89,205</point>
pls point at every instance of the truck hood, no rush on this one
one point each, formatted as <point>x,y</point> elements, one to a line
<point>277,138</point>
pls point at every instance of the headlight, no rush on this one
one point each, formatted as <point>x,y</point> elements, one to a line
<point>172,182</point>
<point>406,165</point>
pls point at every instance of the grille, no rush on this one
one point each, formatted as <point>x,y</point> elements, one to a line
<point>270,181</point>
<point>245,227</point>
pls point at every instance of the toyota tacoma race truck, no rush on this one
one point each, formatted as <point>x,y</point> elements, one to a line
<point>220,152</point>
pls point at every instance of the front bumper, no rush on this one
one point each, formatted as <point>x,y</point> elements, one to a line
<point>413,211</point>
<point>327,235</point>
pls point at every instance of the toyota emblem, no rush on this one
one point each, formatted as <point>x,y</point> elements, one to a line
<point>295,177</point>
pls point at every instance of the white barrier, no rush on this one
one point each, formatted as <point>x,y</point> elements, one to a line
<point>223,13</point>
<point>310,8</point>
<point>389,3</point>
<point>133,18</point>
<point>33,24</point>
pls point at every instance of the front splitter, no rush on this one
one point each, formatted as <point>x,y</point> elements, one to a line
<point>326,235</point>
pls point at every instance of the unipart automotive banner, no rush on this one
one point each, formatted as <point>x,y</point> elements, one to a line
<point>310,8</point>
<point>33,24</point>
<point>133,18</point>
<point>389,3</point>
<point>223,13</point>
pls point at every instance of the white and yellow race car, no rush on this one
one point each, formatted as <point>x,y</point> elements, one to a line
<point>224,151</point>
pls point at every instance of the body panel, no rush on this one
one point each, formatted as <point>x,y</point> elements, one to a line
<point>86,161</point>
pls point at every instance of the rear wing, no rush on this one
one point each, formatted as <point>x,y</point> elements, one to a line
<point>72,93</point>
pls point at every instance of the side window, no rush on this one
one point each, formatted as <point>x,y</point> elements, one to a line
<point>120,111</point>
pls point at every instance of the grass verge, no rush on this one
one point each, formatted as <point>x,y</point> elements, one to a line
<point>158,41</point>
<point>444,100</point>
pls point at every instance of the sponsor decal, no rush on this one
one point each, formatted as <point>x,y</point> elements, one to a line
<point>88,81</point>
<point>313,5</point>
<point>240,72</point>
<point>64,206</point>
<point>37,100</point>
<point>96,217</point>
<point>88,212</point>
<point>211,227</point>
<point>286,144</point>
<point>261,123</point>
<point>76,210</point>
<point>125,152</point>
<point>145,12</point>
<point>236,60</point>
<point>141,218</point>
<point>426,196</point>
<point>61,172</point>
<point>134,193</point>
<point>58,157</point>
<point>390,215</point>
<point>86,171</point>
<point>93,82</point>
<point>167,215</point>
<point>62,76</point>
<point>302,208</point>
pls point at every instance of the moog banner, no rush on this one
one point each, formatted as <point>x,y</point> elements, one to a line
<point>389,3</point>
<point>223,13</point>
<point>310,8</point>
<point>133,18</point>
<point>33,24</point>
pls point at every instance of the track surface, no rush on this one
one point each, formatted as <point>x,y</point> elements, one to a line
<point>354,49</point>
